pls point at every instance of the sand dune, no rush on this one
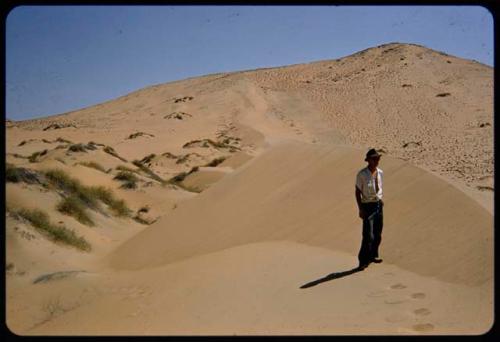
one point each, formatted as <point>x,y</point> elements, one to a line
<point>241,212</point>
<point>304,193</point>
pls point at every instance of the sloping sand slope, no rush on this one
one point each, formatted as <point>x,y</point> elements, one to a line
<point>238,265</point>
<point>305,193</point>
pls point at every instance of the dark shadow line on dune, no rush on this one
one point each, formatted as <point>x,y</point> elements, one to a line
<point>331,276</point>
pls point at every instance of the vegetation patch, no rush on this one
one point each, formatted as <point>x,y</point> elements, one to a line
<point>71,186</point>
<point>169,155</point>
<point>119,207</point>
<point>15,174</point>
<point>144,209</point>
<point>443,94</point>
<point>87,196</point>
<point>183,99</point>
<point>125,168</point>
<point>412,144</point>
<point>77,148</point>
<point>40,220</point>
<point>147,159</point>
<point>177,115</point>
<point>35,155</point>
<point>216,161</point>
<point>181,176</point>
<point>73,206</point>
<point>184,158</point>
<point>24,142</point>
<point>128,179</point>
<point>111,151</point>
<point>62,140</point>
<point>148,171</point>
<point>93,165</point>
<point>58,126</point>
<point>139,134</point>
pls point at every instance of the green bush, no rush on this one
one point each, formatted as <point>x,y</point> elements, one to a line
<point>40,220</point>
<point>74,207</point>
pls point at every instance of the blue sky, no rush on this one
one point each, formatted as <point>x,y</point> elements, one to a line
<point>63,58</point>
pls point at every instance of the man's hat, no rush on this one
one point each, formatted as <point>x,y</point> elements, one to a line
<point>372,153</point>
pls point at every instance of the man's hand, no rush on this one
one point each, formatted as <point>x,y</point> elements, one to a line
<point>361,214</point>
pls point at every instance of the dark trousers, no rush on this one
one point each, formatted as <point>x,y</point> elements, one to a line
<point>372,232</point>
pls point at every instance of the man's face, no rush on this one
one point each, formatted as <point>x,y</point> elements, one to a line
<point>373,161</point>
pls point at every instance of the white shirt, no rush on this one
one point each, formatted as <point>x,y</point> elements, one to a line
<point>365,182</point>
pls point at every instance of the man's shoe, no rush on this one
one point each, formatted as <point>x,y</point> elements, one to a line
<point>362,266</point>
<point>377,260</point>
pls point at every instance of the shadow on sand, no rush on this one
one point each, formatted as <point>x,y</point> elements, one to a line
<point>331,276</point>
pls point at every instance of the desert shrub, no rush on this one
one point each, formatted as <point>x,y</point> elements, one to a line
<point>148,171</point>
<point>106,196</point>
<point>147,158</point>
<point>34,156</point>
<point>93,165</point>
<point>62,140</point>
<point>87,196</point>
<point>74,207</point>
<point>19,174</point>
<point>40,220</point>
<point>144,209</point>
<point>125,168</point>
<point>64,182</point>
<point>443,94</point>
<point>12,173</point>
<point>111,151</point>
<point>216,161</point>
<point>77,148</point>
<point>182,175</point>
<point>178,178</point>
<point>138,134</point>
<point>128,178</point>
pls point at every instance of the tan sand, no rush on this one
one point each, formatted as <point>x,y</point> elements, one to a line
<point>277,214</point>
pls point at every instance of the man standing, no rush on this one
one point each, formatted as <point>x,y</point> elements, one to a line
<point>370,204</point>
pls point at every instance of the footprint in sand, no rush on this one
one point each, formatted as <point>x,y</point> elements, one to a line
<point>423,327</point>
<point>376,293</point>
<point>398,286</point>
<point>396,318</point>
<point>394,301</point>
<point>422,312</point>
<point>418,295</point>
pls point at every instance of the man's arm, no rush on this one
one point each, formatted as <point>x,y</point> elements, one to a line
<point>358,200</point>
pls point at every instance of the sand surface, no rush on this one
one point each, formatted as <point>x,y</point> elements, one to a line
<point>259,233</point>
